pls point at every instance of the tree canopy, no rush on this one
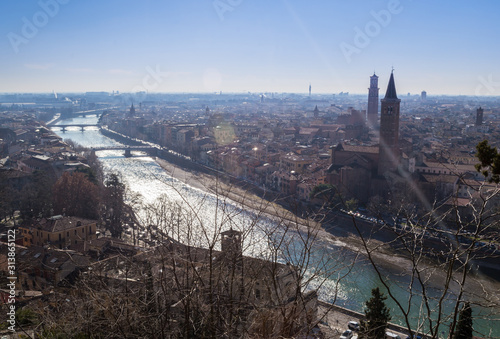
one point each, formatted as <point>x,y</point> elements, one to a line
<point>322,191</point>
<point>489,159</point>
<point>36,196</point>
<point>75,195</point>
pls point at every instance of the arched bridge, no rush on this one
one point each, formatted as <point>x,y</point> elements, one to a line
<point>82,126</point>
<point>97,112</point>
<point>128,149</point>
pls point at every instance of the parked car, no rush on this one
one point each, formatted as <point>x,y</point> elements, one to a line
<point>346,335</point>
<point>353,325</point>
<point>390,335</point>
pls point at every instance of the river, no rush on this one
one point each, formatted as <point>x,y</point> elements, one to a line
<point>144,176</point>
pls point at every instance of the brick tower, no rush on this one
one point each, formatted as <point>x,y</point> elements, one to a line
<point>372,112</point>
<point>389,130</point>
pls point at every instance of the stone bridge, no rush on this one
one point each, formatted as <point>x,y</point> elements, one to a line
<point>82,126</point>
<point>128,149</point>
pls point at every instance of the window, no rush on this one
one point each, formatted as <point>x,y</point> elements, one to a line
<point>257,294</point>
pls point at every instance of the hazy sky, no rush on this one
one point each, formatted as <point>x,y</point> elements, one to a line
<point>443,47</point>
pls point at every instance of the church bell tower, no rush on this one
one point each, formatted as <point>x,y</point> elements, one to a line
<point>389,153</point>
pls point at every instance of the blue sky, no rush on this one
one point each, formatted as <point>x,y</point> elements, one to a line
<point>443,47</point>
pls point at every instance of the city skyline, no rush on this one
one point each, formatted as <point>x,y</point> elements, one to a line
<point>238,46</point>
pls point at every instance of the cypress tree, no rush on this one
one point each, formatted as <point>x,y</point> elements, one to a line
<point>489,158</point>
<point>464,326</point>
<point>377,316</point>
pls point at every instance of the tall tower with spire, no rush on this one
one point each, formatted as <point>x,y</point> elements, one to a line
<point>372,112</point>
<point>309,90</point>
<point>389,130</point>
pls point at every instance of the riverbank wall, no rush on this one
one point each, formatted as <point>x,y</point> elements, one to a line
<point>185,163</point>
<point>120,137</point>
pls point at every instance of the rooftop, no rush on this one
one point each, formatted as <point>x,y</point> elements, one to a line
<point>61,223</point>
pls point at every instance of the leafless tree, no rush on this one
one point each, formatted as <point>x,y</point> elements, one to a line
<point>261,282</point>
<point>443,244</point>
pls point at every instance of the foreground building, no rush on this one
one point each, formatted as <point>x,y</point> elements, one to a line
<point>41,268</point>
<point>59,231</point>
<point>197,292</point>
